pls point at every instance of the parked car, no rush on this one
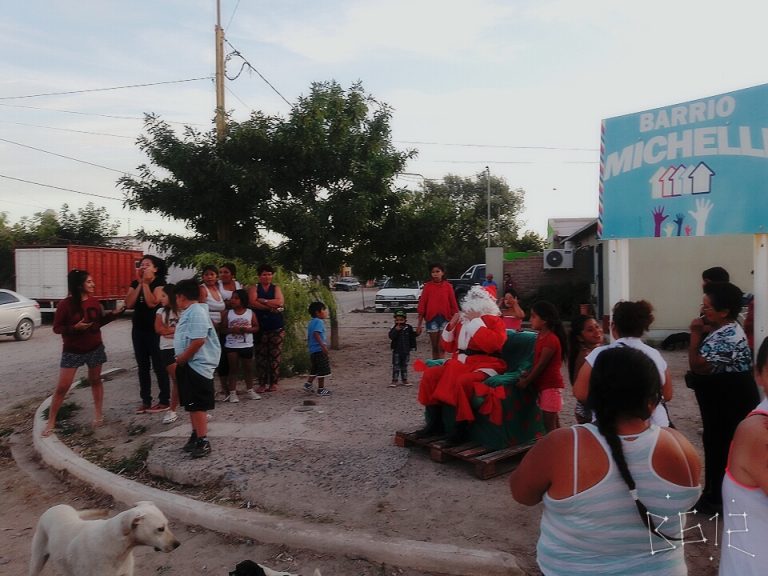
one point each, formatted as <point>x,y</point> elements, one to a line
<point>346,284</point>
<point>399,294</point>
<point>19,316</point>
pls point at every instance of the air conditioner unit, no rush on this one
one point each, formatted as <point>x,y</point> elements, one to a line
<point>558,259</point>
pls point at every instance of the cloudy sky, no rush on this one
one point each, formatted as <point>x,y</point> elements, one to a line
<point>516,85</point>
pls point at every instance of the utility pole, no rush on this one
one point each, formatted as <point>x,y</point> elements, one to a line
<point>220,120</point>
<point>488,183</point>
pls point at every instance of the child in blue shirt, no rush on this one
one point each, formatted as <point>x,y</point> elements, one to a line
<point>318,350</point>
<point>198,351</point>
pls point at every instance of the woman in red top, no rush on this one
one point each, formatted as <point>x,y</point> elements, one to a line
<point>549,353</point>
<point>79,319</point>
<point>437,305</point>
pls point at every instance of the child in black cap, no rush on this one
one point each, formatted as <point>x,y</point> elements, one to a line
<point>402,340</point>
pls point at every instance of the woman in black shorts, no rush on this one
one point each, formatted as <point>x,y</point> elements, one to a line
<point>79,319</point>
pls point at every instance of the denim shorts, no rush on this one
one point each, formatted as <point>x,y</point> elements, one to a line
<point>436,324</point>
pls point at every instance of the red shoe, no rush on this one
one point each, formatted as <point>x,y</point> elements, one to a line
<point>261,389</point>
<point>272,388</point>
<point>143,409</point>
<point>158,408</point>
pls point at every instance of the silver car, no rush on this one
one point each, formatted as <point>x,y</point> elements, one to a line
<point>19,316</point>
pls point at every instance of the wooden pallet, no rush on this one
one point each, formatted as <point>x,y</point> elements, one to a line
<point>487,463</point>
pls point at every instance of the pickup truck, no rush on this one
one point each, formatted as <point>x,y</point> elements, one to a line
<point>474,276</point>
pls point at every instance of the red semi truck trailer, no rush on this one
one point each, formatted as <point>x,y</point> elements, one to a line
<point>41,272</point>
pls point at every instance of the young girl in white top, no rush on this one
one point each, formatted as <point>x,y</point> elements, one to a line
<point>166,318</point>
<point>238,325</point>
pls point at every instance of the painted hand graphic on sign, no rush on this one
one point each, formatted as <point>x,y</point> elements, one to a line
<point>658,218</point>
<point>700,215</point>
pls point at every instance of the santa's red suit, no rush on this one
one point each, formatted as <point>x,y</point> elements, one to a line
<point>476,355</point>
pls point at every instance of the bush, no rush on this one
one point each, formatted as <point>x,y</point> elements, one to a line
<point>298,294</point>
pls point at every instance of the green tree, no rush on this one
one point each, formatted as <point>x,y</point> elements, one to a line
<point>90,225</point>
<point>465,199</point>
<point>219,189</point>
<point>6,252</point>
<point>319,179</point>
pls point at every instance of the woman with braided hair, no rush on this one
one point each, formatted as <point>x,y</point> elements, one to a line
<point>607,486</point>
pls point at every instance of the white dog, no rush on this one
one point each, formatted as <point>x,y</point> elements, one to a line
<point>80,546</point>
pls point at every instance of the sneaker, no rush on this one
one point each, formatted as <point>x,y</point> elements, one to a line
<point>143,409</point>
<point>158,408</point>
<point>252,395</point>
<point>406,383</point>
<point>202,448</point>
<point>308,388</point>
<point>261,389</point>
<point>232,398</point>
<point>170,417</point>
<point>191,443</point>
<point>393,385</point>
<point>272,388</point>
<point>323,392</point>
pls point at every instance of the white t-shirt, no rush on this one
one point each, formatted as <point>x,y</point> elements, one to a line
<point>245,319</point>
<point>166,342</point>
<point>659,416</point>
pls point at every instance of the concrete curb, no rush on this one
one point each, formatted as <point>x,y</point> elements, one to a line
<point>327,539</point>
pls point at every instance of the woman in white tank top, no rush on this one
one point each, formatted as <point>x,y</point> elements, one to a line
<point>211,297</point>
<point>599,482</point>
<point>745,488</point>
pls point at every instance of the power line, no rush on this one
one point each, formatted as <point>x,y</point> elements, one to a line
<point>68,130</point>
<point>553,148</point>
<point>237,97</point>
<point>67,157</point>
<point>509,162</point>
<point>140,119</point>
<point>105,89</point>
<point>236,52</point>
<point>60,188</point>
<point>233,15</point>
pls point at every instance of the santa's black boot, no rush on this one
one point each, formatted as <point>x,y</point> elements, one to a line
<point>434,419</point>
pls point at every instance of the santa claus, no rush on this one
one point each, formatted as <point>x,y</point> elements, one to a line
<point>474,337</point>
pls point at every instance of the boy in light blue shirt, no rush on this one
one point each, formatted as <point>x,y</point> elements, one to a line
<point>318,350</point>
<point>198,351</point>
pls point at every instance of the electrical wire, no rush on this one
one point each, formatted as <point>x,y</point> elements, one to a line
<point>60,188</point>
<point>233,15</point>
<point>95,114</point>
<point>552,148</point>
<point>236,52</point>
<point>68,157</point>
<point>67,130</point>
<point>104,89</point>
<point>228,89</point>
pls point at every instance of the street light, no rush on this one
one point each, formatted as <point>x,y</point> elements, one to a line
<point>488,182</point>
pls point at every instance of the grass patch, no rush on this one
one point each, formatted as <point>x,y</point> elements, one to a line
<point>66,411</point>
<point>83,382</point>
<point>136,429</point>
<point>130,465</point>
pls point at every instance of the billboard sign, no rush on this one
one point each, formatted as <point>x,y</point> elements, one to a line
<point>692,169</point>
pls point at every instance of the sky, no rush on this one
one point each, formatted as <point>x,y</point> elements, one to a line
<point>519,86</point>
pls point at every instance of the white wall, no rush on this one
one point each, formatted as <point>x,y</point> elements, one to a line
<point>667,273</point>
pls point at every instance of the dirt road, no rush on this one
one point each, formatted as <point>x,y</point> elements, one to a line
<point>338,467</point>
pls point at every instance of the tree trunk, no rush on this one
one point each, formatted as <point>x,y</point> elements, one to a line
<point>334,332</point>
